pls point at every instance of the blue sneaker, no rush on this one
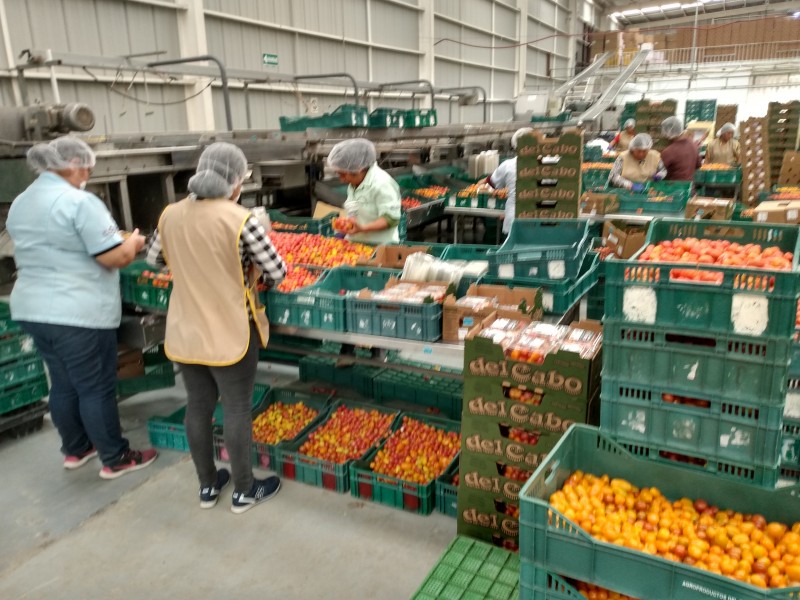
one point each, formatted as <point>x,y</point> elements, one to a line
<point>262,490</point>
<point>210,495</point>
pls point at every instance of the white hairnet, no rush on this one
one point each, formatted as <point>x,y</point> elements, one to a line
<point>727,128</point>
<point>629,123</point>
<point>641,141</point>
<point>62,153</point>
<point>518,134</point>
<point>222,166</point>
<point>352,156</point>
<point>671,127</point>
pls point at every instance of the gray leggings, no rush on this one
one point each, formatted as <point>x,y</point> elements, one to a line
<point>234,385</point>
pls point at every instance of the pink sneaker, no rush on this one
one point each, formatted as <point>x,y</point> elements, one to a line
<point>74,462</point>
<point>131,461</point>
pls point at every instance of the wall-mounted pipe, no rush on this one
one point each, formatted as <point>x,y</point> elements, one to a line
<point>223,75</point>
<point>394,84</point>
<point>473,88</point>
<point>329,76</point>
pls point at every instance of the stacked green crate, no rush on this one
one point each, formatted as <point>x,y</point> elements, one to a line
<point>431,391</point>
<point>700,110</point>
<point>629,112</point>
<point>783,134</point>
<point>360,378</point>
<point>159,373</point>
<point>22,376</point>
<point>689,375</point>
<point>472,570</point>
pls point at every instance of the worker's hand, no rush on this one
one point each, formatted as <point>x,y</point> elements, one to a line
<point>353,226</point>
<point>658,177</point>
<point>136,239</point>
<point>637,188</point>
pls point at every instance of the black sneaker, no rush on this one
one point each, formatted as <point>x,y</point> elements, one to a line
<point>263,489</point>
<point>210,495</point>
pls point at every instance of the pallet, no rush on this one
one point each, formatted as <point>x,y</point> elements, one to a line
<point>23,421</point>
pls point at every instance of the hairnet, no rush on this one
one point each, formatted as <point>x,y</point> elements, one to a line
<point>671,127</point>
<point>518,134</point>
<point>641,141</point>
<point>222,166</point>
<point>727,128</point>
<point>61,153</point>
<point>352,156</point>
<point>629,123</point>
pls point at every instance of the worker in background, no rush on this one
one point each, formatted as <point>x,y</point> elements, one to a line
<point>681,157</point>
<point>724,149</point>
<point>373,196</point>
<point>623,139</point>
<point>638,165</point>
<point>505,176</point>
<point>218,252</point>
<point>67,298</point>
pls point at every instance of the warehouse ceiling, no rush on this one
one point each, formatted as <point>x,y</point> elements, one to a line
<point>625,13</point>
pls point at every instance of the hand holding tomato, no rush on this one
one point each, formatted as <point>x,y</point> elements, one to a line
<point>345,225</point>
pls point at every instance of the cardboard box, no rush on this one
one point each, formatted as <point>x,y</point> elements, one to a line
<point>599,204</point>
<point>712,209</point>
<point>391,257</point>
<point>790,171</point>
<point>624,239</point>
<point>457,321</point>
<point>783,211</point>
<point>130,362</point>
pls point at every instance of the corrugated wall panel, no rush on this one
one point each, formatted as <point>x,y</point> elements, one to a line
<point>481,55</point>
<point>504,85</point>
<point>275,11</point>
<point>447,74</point>
<point>82,28</point>
<point>390,66</point>
<point>447,31</point>
<point>505,57</point>
<point>395,26</point>
<point>477,13</point>
<point>325,17</point>
<point>354,19</point>
<point>505,21</point>
<point>449,8</point>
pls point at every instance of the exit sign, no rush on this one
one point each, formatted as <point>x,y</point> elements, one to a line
<point>269,60</point>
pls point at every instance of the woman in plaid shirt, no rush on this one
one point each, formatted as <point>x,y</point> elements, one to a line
<point>218,252</point>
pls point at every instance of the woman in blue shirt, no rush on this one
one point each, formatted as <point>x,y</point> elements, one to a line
<point>68,250</point>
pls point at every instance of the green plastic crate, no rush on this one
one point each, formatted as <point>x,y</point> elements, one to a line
<point>393,491</point>
<point>286,224</point>
<point>360,378</point>
<point>722,367</point>
<point>170,432</point>
<point>468,252</point>
<point>345,115</point>
<point>446,493</point>
<point>538,584</point>
<point>15,346</point>
<point>634,290</point>
<point>557,296</point>
<point>544,249</point>
<point>642,204</point>
<point>716,430</point>
<point>159,374</point>
<point>559,118</point>
<point>441,394</point>
<point>421,322</point>
<point>382,118</point>
<point>472,570</point>
<point>264,454</point>
<point>551,541</point>
<point>25,369</point>
<point>142,291</point>
<point>425,117</point>
<point>790,444</point>
<point>592,153</point>
<point>323,305</point>
<point>23,394</point>
<point>291,464</point>
<point>7,326</point>
<point>722,176</point>
<point>270,354</point>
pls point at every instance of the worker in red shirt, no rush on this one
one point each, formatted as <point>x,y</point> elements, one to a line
<point>681,158</point>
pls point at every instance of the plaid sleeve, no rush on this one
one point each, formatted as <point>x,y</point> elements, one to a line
<point>154,254</point>
<point>615,177</point>
<point>258,247</point>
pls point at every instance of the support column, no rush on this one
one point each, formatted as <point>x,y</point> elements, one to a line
<point>9,52</point>
<point>522,52</point>
<point>193,42</point>
<point>426,33</point>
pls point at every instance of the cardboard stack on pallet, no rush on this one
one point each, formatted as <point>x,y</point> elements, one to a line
<point>782,134</point>
<point>549,175</point>
<point>649,116</point>
<point>726,113</point>
<point>517,406</point>
<point>755,159</point>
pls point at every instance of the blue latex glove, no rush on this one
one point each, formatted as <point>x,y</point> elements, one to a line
<point>637,187</point>
<point>339,235</point>
<point>658,177</point>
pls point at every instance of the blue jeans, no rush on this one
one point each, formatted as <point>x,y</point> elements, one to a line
<point>83,393</point>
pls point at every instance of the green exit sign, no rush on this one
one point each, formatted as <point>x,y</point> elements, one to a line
<point>269,60</point>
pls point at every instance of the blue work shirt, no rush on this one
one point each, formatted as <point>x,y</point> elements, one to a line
<point>57,231</point>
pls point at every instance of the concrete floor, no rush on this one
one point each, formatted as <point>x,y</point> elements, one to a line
<point>71,535</point>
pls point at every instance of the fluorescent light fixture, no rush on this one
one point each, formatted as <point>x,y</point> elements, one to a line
<point>672,6</point>
<point>651,9</point>
<point>692,5</point>
<point>629,13</point>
